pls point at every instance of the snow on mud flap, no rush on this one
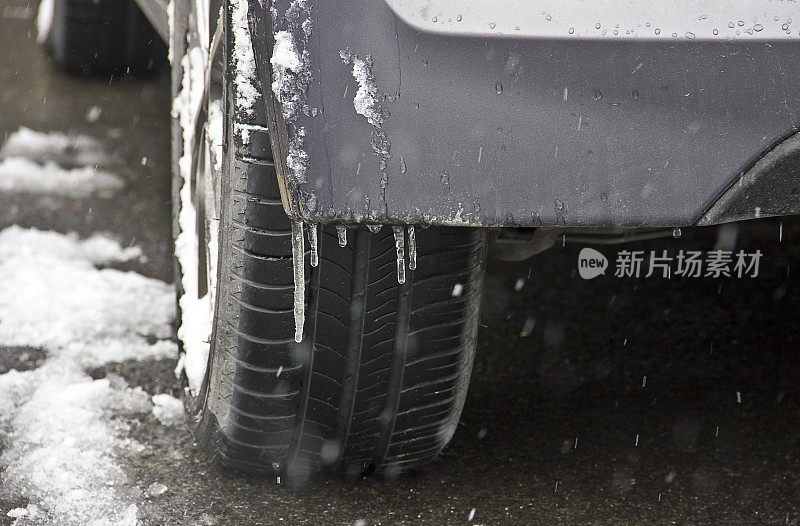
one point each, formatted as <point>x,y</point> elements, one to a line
<point>386,317</point>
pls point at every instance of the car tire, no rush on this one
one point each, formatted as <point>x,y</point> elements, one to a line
<point>380,377</point>
<point>102,37</point>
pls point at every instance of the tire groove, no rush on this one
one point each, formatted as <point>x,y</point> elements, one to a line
<point>355,340</point>
<point>397,369</point>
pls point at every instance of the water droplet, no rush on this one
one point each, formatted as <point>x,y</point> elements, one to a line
<point>492,25</point>
<point>730,24</point>
<point>424,62</point>
<point>459,18</point>
<point>657,31</point>
<point>689,35</point>
<point>571,30</point>
<point>403,168</point>
<point>758,27</point>
<point>740,22</point>
<point>512,64</point>
<point>597,25</point>
<point>785,26</point>
<point>596,94</point>
<point>435,19</point>
<point>676,232</point>
<point>498,88</point>
<point>604,196</point>
<point>716,31</point>
<point>548,17</point>
<point>635,94</point>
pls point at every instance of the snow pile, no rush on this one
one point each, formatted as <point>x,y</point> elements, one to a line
<point>366,98</point>
<point>29,163</point>
<point>74,150</point>
<point>287,65</point>
<point>297,159</point>
<point>247,90</point>
<point>52,296</point>
<point>197,313</point>
<point>25,176</point>
<point>365,103</point>
<point>156,489</point>
<point>291,77</point>
<point>171,24</point>
<point>65,432</point>
<point>167,409</point>
<point>65,436</point>
<point>216,130</point>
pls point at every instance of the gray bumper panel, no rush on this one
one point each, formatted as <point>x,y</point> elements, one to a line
<point>508,131</point>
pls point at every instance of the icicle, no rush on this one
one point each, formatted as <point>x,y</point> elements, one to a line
<point>298,259</point>
<point>341,230</point>
<point>399,242</point>
<point>374,228</point>
<point>312,240</point>
<point>412,248</point>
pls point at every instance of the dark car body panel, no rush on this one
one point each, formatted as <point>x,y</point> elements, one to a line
<point>583,129</point>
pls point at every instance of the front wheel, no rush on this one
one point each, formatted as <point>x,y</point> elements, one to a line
<point>380,377</point>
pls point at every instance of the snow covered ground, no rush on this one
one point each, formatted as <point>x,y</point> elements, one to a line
<point>65,435</point>
<point>55,164</point>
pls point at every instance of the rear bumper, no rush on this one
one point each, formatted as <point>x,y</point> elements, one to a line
<point>576,130</point>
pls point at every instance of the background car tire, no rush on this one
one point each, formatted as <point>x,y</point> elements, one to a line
<point>103,36</point>
<point>380,378</point>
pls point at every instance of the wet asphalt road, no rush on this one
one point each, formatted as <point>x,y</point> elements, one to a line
<point>635,401</point>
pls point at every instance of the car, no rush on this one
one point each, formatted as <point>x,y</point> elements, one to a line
<point>342,169</point>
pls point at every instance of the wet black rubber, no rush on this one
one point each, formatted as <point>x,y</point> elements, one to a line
<point>378,382</point>
<point>104,37</point>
